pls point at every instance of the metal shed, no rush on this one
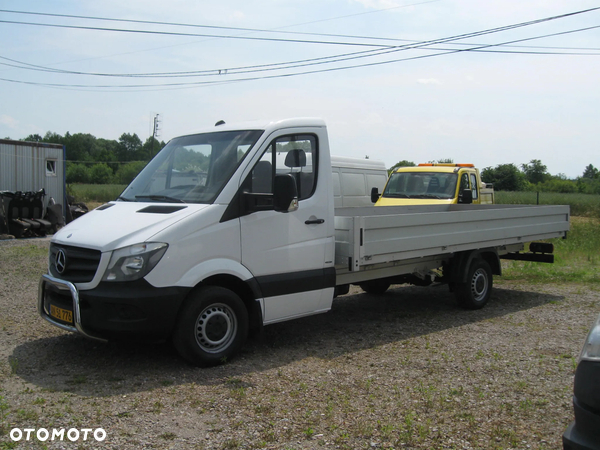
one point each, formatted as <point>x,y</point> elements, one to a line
<point>31,166</point>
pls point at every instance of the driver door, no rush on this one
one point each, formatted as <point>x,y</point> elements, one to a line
<point>290,253</point>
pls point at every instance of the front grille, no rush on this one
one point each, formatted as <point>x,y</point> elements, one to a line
<point>80,264</point>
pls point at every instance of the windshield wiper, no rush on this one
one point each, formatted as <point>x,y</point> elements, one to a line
<point>395,195</point>
<point>124,199</point>
<point>437,197</point>
<point>161,197</point>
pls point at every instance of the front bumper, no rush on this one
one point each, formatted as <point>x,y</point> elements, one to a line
<point>111,310</point>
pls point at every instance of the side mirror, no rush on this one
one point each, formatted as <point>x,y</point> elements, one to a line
<point>374,195</point>
<point>285,193</point>
<point>466,196</point>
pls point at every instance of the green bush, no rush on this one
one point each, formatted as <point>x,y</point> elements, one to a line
<point>558,185</point>
<point>77,173</point>
<point>127,172</point>
<point>101,174</point>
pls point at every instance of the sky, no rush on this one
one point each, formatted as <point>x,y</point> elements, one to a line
<point>484,82</point>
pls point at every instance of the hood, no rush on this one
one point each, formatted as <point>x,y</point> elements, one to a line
<point>118,224</point>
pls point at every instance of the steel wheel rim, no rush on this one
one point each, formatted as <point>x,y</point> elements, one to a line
<point>479,285</point>
<point>216,327</point>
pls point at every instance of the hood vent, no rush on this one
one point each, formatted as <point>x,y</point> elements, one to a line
<point>161,209</point>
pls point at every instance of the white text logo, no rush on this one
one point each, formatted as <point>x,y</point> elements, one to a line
<point>60,434</point>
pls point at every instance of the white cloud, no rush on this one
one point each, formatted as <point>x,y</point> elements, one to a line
<point>10,122</point>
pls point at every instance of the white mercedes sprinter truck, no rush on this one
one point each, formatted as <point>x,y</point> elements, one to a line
<point>234,228</point>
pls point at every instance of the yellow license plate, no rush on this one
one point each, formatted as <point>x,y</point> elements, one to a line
<point>61,314</point>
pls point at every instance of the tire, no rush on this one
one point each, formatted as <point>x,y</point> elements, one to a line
<point>212,326</point>
<point>341,290</point>
<point>476,291</point>
<point>376,287</point>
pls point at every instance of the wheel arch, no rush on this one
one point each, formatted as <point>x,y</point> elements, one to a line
<point>461,262</point>
<point>248,291</point>
<point>232,275</point>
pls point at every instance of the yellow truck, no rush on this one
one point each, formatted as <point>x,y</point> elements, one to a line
<point>434,184</point>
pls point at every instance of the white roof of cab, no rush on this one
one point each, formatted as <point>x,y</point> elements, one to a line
<point>266,124</point>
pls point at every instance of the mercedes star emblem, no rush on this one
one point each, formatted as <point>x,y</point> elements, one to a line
<point>61,261</point>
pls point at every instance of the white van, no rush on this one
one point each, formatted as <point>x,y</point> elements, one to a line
<point>353,179</point>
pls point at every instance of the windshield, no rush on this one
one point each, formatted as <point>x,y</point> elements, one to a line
<point>421,185</point>
<point>191,169</point>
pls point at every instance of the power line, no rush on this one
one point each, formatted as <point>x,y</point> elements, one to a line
<point>225,36</point>
<point>540,50</point>
<point>338,58</point>
<point>252,30</point>
<point>257,30</point>
<point>182,34</point>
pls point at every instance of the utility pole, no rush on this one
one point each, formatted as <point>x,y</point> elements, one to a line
<point>155,132</point>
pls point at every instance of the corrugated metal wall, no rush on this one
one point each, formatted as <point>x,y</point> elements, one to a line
<point>31,166</point>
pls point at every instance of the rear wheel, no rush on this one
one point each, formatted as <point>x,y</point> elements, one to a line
<point>212,326</point>
<point>475,292</point>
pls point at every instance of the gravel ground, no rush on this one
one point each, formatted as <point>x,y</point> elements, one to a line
<point>407,369</point>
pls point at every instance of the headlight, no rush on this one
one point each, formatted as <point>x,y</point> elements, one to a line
<point>591,348</point>
<point>134,262</point>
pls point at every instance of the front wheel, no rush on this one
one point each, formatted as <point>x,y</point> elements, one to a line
<point>475,292</point>
<point>212,326</point>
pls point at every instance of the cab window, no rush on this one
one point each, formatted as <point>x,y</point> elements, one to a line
<point>474,186</point>
<point>295,155</point>
<point>464,183</point>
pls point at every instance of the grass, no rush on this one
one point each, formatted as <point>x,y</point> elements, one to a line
<point>97,193</point>
<point>4,409</point>
<point>576,258</point>
<point>584,205</point>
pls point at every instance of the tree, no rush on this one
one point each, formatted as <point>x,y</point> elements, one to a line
<point>403,163</point>
<point>129,147</point>
<point>79,146</point>
<point>590,172</point>
<point>150,148</point>
<point>33,138</point>
<point>535,171</point>
<point>505,177</point>
<point>53,138</point>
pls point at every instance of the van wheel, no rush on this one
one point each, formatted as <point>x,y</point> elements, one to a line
<point>375,286</point>
<point>212,326</point>
<point>475,292</point>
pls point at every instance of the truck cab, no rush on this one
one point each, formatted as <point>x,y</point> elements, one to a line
<point>434,184</point>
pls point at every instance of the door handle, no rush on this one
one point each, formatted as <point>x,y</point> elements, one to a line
<point>314,221</point>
